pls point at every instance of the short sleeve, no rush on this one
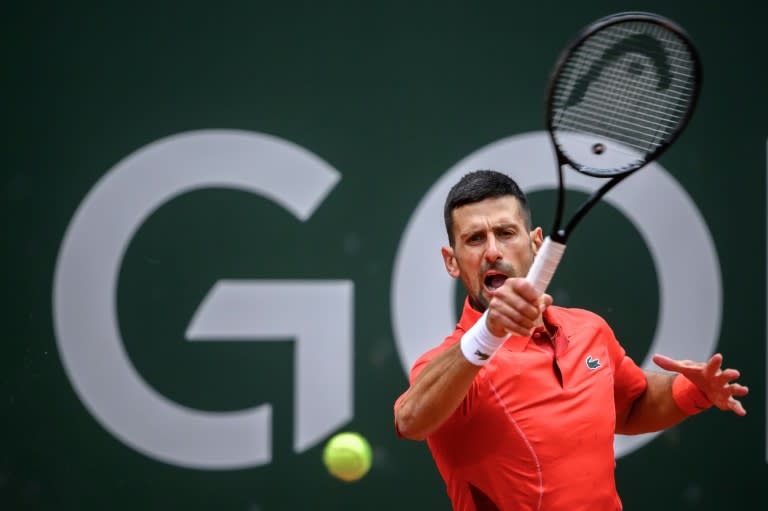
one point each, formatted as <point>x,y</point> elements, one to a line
<point>629,381</point>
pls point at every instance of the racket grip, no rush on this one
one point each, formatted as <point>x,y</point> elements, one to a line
<point>545,264</point>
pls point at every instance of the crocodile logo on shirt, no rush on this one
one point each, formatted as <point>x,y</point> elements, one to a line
<point>482,356</point>
<point>593,363</point>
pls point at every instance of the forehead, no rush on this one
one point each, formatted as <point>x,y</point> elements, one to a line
<point>493,211</point>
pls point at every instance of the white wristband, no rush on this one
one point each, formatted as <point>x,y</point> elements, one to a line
<point>478,344</point>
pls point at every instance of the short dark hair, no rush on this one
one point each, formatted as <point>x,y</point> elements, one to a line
<point>480,185</point>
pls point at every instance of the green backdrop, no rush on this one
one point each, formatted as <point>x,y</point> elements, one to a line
<point>391,95</point>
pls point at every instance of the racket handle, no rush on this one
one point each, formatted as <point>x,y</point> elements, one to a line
<point>545,264</point>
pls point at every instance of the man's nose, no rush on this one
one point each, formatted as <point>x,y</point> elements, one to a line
<point>492,252</point>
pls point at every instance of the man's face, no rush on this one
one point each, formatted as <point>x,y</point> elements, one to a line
<point>491,244</point>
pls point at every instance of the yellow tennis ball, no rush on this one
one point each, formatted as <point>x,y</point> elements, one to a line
<point>347,456</point>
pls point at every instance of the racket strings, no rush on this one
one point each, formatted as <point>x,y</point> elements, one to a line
<point>624,109</point>
<point>615,103</point>
<point>631,82</point>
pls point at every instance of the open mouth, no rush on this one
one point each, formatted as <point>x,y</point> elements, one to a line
<point>493,281</point>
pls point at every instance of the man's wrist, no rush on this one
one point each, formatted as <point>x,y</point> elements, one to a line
<point>478,344</point>
<point>688,397</point>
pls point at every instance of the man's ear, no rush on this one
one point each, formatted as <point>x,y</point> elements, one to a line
<point>537,238</point>
<point>449,258</point>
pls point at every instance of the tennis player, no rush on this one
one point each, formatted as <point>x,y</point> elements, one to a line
<point>520,404</point>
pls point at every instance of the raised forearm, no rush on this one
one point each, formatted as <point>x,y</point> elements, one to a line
<point>654,410</point>
<point>435,395</point>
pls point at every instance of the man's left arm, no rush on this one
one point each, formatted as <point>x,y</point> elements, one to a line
<point>670,398</point>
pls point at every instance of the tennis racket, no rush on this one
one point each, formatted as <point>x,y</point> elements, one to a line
<point>618,97</point>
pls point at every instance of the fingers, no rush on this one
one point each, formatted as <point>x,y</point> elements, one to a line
<point>713,365</point>
<point>544,301</point>
<point>516,306</point>
<point>670,364</point>
<point>508,319</point>
<point>738,390</point>
<point>728,393</point>
<point>736,407</point>
<point>513,316</point>
<point>664,362</point>
<point>724,397</point>
<point>524,289</point>
<point>724,378</point>
<point>710,369</point>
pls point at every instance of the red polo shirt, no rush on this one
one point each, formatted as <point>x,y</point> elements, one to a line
<point>535,431</point>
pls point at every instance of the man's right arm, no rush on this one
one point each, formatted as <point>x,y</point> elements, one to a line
<point>443,383</point>
<point>435,394</point>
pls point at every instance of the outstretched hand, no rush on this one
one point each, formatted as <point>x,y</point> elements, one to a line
<point>712,381</point>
